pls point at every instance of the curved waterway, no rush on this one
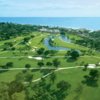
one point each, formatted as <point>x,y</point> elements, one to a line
<point>63,38</point>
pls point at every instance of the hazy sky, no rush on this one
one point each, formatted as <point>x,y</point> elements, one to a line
<point>51,8</point>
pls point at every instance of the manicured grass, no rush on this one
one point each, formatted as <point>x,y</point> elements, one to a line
<point>73,76</point>
<point>38,40</point>
<point>59,42</point>
<point>74,36</point>
<point>64,62</point>
<point>19,62</point>
<point>9,76</point>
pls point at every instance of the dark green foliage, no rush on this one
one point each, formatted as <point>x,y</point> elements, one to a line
<point>28,77</point>
<point>10,30</point>
<point>94,74</point>
<point>40,51</point>
<point>63,85</point>
<point>4,91</point>
<point>74,54</point>
<point>9,64</point>
<point>51,42</point>
<point>49,64</point>
<point>27,66</point>
<point>25,40</point>
<point>8,46</point>
<point>62,33</point>
<point>44,91</point>
<point>85,67</point>
<point>56,62</point>
<point>92,78</point>
<point>14,87</point>
<point>40,64</point>
<point>53,77</point>
<point>91,40</point>
<point>46,53</point>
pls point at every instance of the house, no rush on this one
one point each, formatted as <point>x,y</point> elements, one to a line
<point>43,30</point>
<point>49,30</point>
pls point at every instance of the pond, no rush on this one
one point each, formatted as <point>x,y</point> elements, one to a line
<point>63,38</point>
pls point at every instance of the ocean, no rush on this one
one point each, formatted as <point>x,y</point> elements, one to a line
<point>92,23</point>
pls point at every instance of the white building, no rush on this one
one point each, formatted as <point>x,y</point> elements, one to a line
<point>49,30</point>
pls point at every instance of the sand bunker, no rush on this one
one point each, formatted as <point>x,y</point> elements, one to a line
<point>37,58</point>
<point>91,66</point>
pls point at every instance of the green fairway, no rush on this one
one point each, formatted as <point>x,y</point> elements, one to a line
<point>59,42</point>
<point>78,90</point>
<point>24,54</point>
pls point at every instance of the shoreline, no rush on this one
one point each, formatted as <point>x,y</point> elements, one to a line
<point>88,23</point>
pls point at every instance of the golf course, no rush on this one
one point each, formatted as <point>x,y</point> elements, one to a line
<point>55,65</point>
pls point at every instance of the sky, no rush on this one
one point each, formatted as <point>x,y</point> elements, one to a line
<point>49,8</point>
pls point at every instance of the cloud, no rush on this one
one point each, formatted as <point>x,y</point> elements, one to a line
<point>49,7</point>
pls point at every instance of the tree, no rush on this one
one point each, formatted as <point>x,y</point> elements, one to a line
<point>46,53</point>
<point>56,62</point>
<point>9,65</point>
<point>74,54</point>
<point>51,42</point>
<point>52,52</point>
<point>32,36</point>
<point>13,48</point>
<point>63,85</point>
<point>8,46</point>
<point>40,51</point>
<point>26,39</point>
<point>85,67</point>
<point>27,66</point>
<point>40,64</point>
<point>49,64</point>
<point>67,54</point>
<point>4,91</point>
<point>92,78</point>
<point>94,74</point>
<point>20,77</point>
<point>14,87</point>
<point>28,77</point>
<point>62,33</point>
<point>53,77</point>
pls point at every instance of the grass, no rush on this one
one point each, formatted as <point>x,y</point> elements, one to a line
<point>73,76</point>
<point>38,40</point>
<point>74,36</point>
<point>59,42</point>
<point>21,62</point>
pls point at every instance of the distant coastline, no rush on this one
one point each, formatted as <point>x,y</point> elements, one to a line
<point>91,23</point>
